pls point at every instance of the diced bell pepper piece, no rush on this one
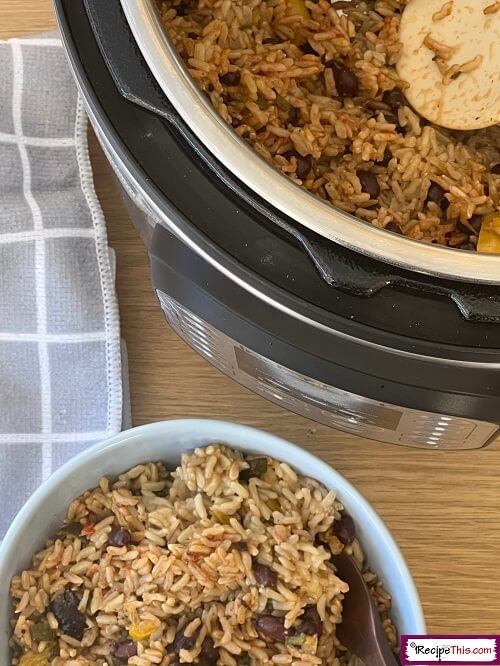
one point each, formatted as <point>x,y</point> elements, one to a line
<point>297,7</point>
<point>489,236</point>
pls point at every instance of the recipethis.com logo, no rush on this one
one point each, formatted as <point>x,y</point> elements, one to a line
<point>450,650</point>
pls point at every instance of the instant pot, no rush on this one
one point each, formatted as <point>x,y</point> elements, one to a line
<point>347,324</point>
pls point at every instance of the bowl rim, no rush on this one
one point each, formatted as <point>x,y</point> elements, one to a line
<point>347,492</point>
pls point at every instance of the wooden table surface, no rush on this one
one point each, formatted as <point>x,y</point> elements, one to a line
<point>443,508</point>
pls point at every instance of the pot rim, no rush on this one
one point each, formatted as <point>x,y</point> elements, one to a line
<point>293,201</point>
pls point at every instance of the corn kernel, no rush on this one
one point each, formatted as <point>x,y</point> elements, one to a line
<point>142,630</point>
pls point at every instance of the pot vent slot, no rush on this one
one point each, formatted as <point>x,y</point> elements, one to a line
<point>197,333</point>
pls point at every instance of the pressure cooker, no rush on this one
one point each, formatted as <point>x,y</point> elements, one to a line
<point>349,325</point>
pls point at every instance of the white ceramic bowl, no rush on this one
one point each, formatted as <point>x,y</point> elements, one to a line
<point>44,512</point>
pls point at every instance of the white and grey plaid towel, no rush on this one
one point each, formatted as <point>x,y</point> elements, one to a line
<point>60,359</point>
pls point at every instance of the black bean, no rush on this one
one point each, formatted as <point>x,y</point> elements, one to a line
<point>393,227</point>
<point>293,116</point>
<point>386,158</point>
<point>304,166</point>
<point>244,659</point>
<point>271,627</point>
<point>369,183</point>
<point>182,642</point>
<point>345,81</point>
<point>264,575</point>
<point>390,118</point>
<point>230,79</point>
<point>310,621</point>
<point>495,169</point>
<point>475,222</point>
<point>394,99</point>
<point>288,156</point>
<point>209,653</point>
<point>235,122</point>
<point>125,650</point>
<point>436,194</point>
<point>65,608</point>
<point>467,246</point>
<point>241,546</point>
<point>344,529</point>
<point>76,595</point>
<point>307,49</point>
<point>256,467</point>
<point>119,536</point>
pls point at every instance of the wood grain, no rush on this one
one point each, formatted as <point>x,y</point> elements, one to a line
<point>443,508</point>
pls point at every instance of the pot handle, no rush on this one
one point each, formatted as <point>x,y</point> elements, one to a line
<point>363,276</point>
<point>124,59</point>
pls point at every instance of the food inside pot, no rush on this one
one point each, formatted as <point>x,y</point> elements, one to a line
<point>312,86</point>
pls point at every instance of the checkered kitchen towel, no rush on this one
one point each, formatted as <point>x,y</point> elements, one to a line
<point>60,360</point>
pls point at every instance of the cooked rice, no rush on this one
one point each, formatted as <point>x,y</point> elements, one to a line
<point>286,106</point>
<point>445,11</point>
<point>492,9</point>
<point>189,569</point>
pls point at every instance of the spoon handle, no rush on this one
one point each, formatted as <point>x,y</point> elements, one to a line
<point>380,652</point>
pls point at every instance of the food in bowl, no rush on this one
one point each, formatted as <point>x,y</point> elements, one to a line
<point>312,86</point>
<point>223,561</point>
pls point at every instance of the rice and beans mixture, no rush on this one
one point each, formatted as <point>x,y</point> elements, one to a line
<point>312,86</point>
<point>225,561</point>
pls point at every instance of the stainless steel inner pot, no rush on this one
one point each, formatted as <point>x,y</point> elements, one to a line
<point>295,202</point>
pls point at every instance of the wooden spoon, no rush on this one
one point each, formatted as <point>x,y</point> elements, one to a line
<point>361,630</point>
<point>450,54</point>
